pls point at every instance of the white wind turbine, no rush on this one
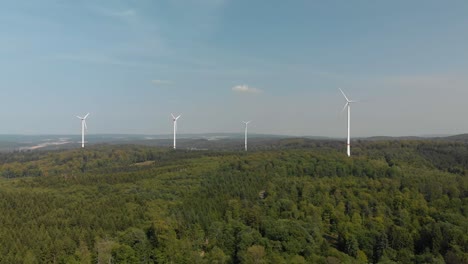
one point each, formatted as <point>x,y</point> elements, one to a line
<point>348,105</point>
<point>83,127</point>
<point>174,119</point>
<point>246,126</point>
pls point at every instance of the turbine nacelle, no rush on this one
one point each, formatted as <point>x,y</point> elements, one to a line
<point>83,118</point>
<point>174,118</point>
<point>348,102</point>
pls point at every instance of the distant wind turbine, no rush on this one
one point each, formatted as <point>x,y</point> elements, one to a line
<point>174,119</point>
<point>246,126</point>
<point>83,127</point>
<point>348,105</point>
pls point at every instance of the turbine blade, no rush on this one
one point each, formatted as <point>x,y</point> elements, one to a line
<point>344,95</point>
<point>346,105</point>
<point>173,116</point>
<point>84,122</point>
<point>178,117</point>
<point>79,117</point>
<point>86,116</point>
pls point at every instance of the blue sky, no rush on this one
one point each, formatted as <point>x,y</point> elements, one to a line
<point>218,62</point>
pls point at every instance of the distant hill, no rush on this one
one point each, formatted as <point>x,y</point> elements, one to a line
<point>9,143</point>
<point>382,138</point>
<point>215,141</point>
<point>458,138</point>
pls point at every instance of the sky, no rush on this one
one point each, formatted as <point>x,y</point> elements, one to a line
<point>220,62</point>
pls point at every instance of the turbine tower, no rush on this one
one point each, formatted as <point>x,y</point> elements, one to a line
<point>174,119</point>
<point>348,105</point>
<point>83,127</point>
<point>246,126</point>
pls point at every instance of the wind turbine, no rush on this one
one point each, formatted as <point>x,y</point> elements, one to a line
<point>174,119</point>
<point>83,127</point>
<point>246,126</point>
<point>348,105</point>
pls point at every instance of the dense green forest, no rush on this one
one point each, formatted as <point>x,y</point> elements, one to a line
<point>295,201</point>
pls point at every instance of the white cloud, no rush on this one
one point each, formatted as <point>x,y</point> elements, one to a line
<point>161,82</point>
<point>124,13</point>
<point>121,14</point>
<point>245,89</point>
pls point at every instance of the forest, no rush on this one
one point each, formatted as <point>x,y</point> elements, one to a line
<point>294,201</point>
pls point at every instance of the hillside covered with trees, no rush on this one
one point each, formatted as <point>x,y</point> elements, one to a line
<point>295,201</point>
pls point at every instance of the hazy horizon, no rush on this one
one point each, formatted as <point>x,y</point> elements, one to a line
<point>219,62</point>
<point>240,133</point>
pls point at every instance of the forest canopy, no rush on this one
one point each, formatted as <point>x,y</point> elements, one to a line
<point>300,201</point>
